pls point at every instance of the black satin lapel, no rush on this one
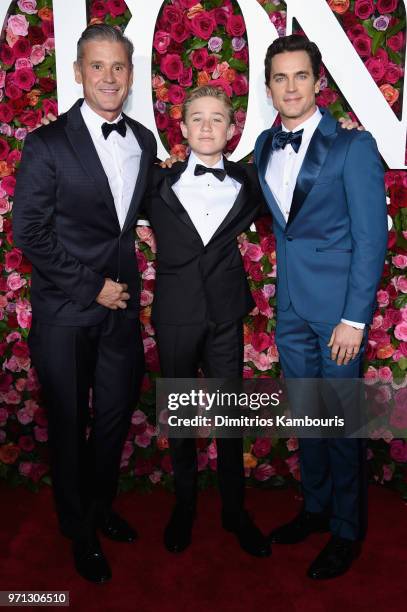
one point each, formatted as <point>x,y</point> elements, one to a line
<point>167,194</point>
<point>314,160</point>
<point>82,143</point>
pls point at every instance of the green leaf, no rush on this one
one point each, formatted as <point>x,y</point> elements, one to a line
<point>402,363</point>
<point>238,65</point>
<point>197,43</point>
<point>395,57</point>
<point>378,40</point>
<point>396,28</point>
<point>400,301</point>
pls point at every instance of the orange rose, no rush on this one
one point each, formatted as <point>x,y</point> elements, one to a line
<point>249,460</point>
<point>390,93</point>
<point>179,150</point>
<point>9,453</point>
<point>203,78</point>
<point>33,96</point>
<point>229,75</point>
<point>162,94</point>
<point>385,352</point>
<point>247,334</point>
<point>5,169</point>
<point>176,111</point>
<point>45,14</point>
<point>339,6</point>
<point>157,81</point>
<point>198,8</point>
<point>145,315</point>
<point>95,20</point>
<point>162,443</point>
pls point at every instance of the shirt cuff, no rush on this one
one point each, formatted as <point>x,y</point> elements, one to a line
<point>353,324</point>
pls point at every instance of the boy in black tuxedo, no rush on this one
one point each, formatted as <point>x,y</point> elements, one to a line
<point>197,210</point>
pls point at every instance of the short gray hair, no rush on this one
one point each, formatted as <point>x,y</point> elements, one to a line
<point>102,31</point>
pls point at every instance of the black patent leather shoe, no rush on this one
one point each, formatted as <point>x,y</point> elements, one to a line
<point>90,561</point>
<point>333,560</point>
<point>177,534</point>
<point>116,528</point>
<point>300,528</point>
<point>250,537</point>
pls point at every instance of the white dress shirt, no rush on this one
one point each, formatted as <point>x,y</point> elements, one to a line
<point>283,169</point>
<point>120,158</point>
<point>206,199</point>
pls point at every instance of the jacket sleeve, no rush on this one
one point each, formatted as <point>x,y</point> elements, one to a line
<point>365,193</point>
<point>34,226</point>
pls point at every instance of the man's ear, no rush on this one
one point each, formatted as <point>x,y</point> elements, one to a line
<point>317,86</point>
<point>184,130</point>
<point>77,72</point>
<point>230,131</point>
<point>268,91</point>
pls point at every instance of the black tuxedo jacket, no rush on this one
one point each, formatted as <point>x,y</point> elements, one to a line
<point>65,221</point>
<point>196,282</point>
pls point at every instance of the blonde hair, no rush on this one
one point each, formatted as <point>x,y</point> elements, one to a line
<point>208,91</point>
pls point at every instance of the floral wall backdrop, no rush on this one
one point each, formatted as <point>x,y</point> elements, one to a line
<point>194,44</point>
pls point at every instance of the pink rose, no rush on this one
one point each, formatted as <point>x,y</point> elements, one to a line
<point>212,450</point>
<point>264,471</point>
<point>176,94</point>
<point>400,261</point>
<point>40,434</point>
<point>363,45</point>
<point>24,416</point>
<point>385,374</point>
<point>143,440</point>
<point>364,8</point>
<point>13,259</point>
<point>146,298</point>
<point>25,468</point>
<point>162,41</point>
<point>398,450</point>
<point>386,6</point>
<point>254,252</point>
<point>292,444</point>
<point>400,282</point>
<point>262,447</point>
<point>400,331</point>
<point>203,25</point>
<point>15,281</point>
<point>171,65</point>
<point>18,25</point>
<point>27,6</point>
<point>23,62</point>
<point>155,476</point>
<point>37,54</point>
<point>185,80</point>
<point>24,319</point>
<point>262,302</point>
<point>261,341</point>
<point>383,298</point>
<point>24,78</point>
<point>240,85</point>
<point>398,418</point>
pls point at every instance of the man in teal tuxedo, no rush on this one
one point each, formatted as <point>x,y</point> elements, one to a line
<point>325,188</point>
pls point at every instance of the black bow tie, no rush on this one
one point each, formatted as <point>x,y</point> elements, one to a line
<point>218,172</point>
<point>108,128</point>
<point>281,139</point>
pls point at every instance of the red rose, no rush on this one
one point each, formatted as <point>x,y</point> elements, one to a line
<point>174,135</point>
<point>211,63</point>
<point>6,113</point>
<point>20,350</point>
<point>170,14</point>
<point>24,78</point>
<point>364,8</point>
<point>396,42</point>
<point>9,453</point>
<point>326,97</point>
<point>356,30</point>
<point>18,105</point>
<point>203,25</point>
<point>13,259</point>
<point>161,41</point>
<point>199,58</point>
<point>240,85</point>
<point>243,55</point>
<point>185,80</point>
<point>222,14</point>
<point>223,84</point>
<point>50,106</point>
<point>8,183</point>
<point>161,121</point>
<point>47,27</point>
<point>30,118</point>
<point>171,65</point>
<point>349,19</point>
<point>187,4</point>
<point>363,45</point>
<point>47,84</point>
<point>4,149</point>
<point>12,91</point>
<point>386,6</point>
<point>176,94</point>
<point>376,68</point>
<point>98,9</point>
<point>393,73</point>
<point>22,48</point>
<point>254,270</point>
<point>262,446</point>
<point>116,7</point>
<point>35,35</point>
<point>7,54</point>
<point>179,32</point>
<point>235,25</point>
<point>234,141</point>
<point>26,443</point>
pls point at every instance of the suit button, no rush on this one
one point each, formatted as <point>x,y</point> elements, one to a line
<point>290,238</point>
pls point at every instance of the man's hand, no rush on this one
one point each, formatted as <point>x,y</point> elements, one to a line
<point>50,118</point>
<point>348,124</point>
<point>167,163</point>
<point>113,295</point>
<point>345,343</point>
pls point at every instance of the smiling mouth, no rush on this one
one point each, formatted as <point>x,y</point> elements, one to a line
<point>109,92</point>
<point>289,100</point>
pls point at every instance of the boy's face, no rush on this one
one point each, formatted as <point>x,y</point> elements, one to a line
<point>207,126</point>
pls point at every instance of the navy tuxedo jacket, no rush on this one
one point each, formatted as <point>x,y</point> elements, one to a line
<point>194,281</point>
<point>330,253</point>
<point>64,220</point>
